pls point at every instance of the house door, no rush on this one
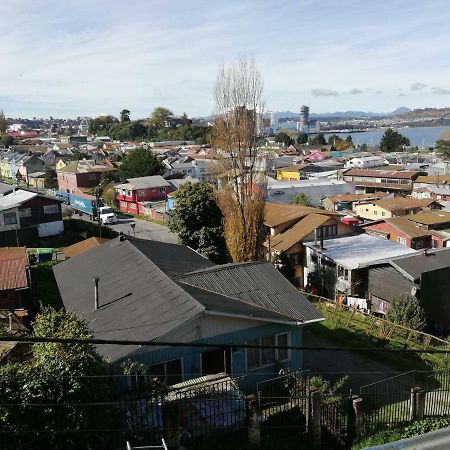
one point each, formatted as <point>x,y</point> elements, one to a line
<point>216,361</point>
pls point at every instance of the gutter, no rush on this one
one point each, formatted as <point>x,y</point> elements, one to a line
<point>260,319</point>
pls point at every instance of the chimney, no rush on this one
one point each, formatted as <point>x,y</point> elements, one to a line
<point>10,322</point>
<point>96,280</point>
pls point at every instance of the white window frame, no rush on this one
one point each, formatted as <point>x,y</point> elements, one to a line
<point>10,214</point>
<point>54,209</point>
<point>401,240</point>
<point>181,358</point>
<point>141,192</point>
<point>25,212</point>
<point>288,344</point>
<point>262,366</point>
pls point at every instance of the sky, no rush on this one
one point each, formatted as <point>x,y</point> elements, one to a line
<point>89,57</point>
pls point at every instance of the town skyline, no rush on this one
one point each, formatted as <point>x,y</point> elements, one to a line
<point>83,59</point>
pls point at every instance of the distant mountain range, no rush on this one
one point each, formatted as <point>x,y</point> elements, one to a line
<point>345,114</point>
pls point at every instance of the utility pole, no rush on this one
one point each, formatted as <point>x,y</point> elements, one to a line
<point>97,201</point>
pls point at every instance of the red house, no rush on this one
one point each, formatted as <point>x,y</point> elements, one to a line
<point>132,194</point>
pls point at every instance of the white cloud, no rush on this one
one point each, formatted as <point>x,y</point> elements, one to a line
<point>418,86</point>
<point>324,92</point>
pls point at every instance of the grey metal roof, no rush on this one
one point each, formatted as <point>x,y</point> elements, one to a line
<point>16,198</point>
<point>5,188</point>
<point>137,299</point>
<point>257,283</point>
<point>171,258</point>
<point>143,293</point>
<point>222,304</point>
<point>413,266</point>
<point>144,182</point>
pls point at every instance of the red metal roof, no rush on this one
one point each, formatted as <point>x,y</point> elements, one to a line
<point>13,274</point>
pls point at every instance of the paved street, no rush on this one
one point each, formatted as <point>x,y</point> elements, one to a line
<point>144,229</point>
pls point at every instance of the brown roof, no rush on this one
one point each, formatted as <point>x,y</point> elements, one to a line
<point>82,247</point>
<point>380,173</point>
<point>408,227</point>
<point>434,179</point>
<point>13,268</point>
<point>298,232</point>
<point>401,203</point>
<point>356,197</point>
<point>431,217</point>
<point>278,213</point>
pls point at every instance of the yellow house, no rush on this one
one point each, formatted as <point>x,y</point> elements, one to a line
<point>60,164</point>
<point>392,207</point>
<point>290,173</point>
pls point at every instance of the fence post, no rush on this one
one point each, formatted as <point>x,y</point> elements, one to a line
<point>171,424</point>
<point>354,419</point>
<point>253,421</point>
<point>420,403</point>
<point>313,422</point>
<point>412,407</point>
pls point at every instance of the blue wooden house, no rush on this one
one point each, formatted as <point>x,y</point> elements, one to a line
<point>149,290</point>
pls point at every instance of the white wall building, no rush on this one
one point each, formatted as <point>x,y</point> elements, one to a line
<point>366,162</point>
<point>316,190</point>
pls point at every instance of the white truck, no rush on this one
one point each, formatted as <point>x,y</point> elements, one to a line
<point>107,215</point>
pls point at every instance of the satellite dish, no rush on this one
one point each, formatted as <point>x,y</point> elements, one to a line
<point>414,291</point>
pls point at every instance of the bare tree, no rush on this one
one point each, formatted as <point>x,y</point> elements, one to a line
<point>238,97</point>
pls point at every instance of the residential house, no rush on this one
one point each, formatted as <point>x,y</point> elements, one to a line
<point>290,172</point>
<point>344,202</point>
<point>368,181</point>
<point>14,277</point>
<point>315,190</point>
<point>149,290</point>
<point>27,216</point>
<point>393,207</point>
<point>337,268</point>
<point>289,226</point>
<point>366,162</point>
<point>401,230</point>
<point>79,176</point>
<point>436,187</point>
<point>134,193</point>
<point>424,275</point>
<point>37,180</point>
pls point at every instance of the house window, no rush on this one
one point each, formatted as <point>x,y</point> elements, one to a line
<point>26,212</point>
<point>383,213</point>
<point>435,243</point>
<point>261,357</point>
<point>294,259</point>
<point>282,340</point>
<point>401,240</point>
<point>375,212</point>
<point>329,230</point>
<point>170,372</point>
<point>141,193</point>
<point>92,176</point>
<point>162,190</point>
<point>50,209</point>
<point>10,218</point>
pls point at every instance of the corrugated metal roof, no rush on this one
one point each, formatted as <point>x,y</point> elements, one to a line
<point>298,232</point>
<point>380,173</point>
<point>81,247</point>
<point>13,274</point>
<point>278,213</point>
<point>137,300</point>
<point>257,283</point>
<point>144,182</point>
<point>16,198</point>
<point>415,265</point>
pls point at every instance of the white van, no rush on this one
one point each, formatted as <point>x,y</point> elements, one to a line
<point>107,215</point>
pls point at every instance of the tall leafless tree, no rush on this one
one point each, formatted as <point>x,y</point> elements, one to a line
<point>238,96</point>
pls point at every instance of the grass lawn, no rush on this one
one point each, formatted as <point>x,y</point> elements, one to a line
<point>360,332</point>
<point>44,288</point>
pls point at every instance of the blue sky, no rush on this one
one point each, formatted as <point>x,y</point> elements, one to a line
<point>67,58</point>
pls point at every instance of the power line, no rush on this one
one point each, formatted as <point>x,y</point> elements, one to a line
<point>35,340</point>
